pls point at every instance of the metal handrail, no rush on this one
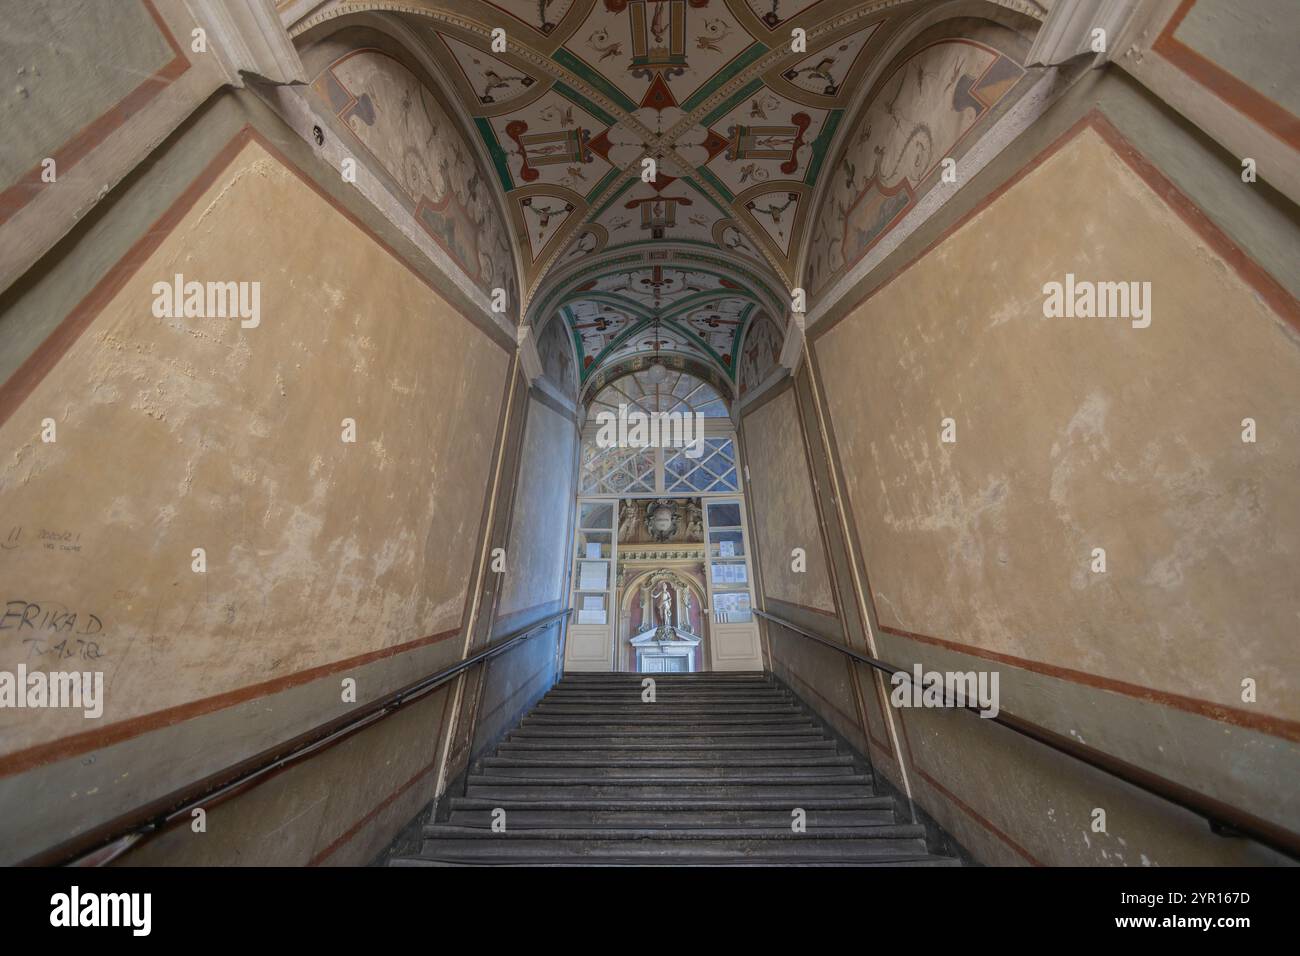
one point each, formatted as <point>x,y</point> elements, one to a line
<point>1223,818</point>
<point>107,842</point>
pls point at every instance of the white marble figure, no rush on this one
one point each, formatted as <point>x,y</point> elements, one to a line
<point>665,605</point>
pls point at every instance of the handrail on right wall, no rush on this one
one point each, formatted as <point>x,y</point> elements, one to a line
<point>1223,818</point>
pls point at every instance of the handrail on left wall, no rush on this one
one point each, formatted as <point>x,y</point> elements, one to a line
<point>108,841</point>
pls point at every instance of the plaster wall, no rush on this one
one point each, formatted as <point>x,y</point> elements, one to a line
<point>782,492</point>
<point>1078,433</point>
<point>536,562</point>
<point>1071,434</point>
<point>543,506</point>
<point>325,560</point>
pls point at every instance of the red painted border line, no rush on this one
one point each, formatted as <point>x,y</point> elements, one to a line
<point>41,362</point>
<point>1248,270</point>
<point>352,831</point>
<point>1243,97</point>
<point>347,835</point>
<point>1273,293</point>
<point>1275,296</point>
<point>27,188</point>
<point>75,744</point>
<point>1276,726</point>
<point>962,805</point>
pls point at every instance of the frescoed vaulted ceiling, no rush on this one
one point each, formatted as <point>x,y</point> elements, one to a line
<point>746,134</point>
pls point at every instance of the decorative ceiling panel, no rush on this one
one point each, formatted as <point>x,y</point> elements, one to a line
<point>758,184</point>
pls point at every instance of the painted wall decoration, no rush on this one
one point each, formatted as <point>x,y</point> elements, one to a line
<point>700,314</point>
<point>597,325</point>
<point>542,15</point>
<point>759,352</point>
<point>493,80</point>
<point>826,69</point>
<point>927,105</point>
<point>399,121</point>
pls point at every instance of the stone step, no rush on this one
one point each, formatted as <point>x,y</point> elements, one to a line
<point>497,788</point>
<point>779,834</point>
<point>670,860</point>
<point>675,804</point>
<point>709,774</point>
<point>662,819</point>
<point>679,723</point>
<point>607,760</point>
<point>666,699</point>
<point>599,845</point>
<point>546,708</point>
<point>655,773</point>
<point>659,735</point>
<point>563,749</point>
<point>709,677</point>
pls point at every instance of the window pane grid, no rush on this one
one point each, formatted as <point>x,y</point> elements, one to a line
<point>715,470</point>
<point>615,470</point>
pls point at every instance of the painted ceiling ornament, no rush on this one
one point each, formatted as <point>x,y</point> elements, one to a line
<point>542,15</point>
<point>771,17</point>
<point>766,174</point>
<point>492,79</point>
<point>570,147</point>
<point>658,29</point>
<point>769,142</point>
<point>661,519</point>
<point>658,213</point>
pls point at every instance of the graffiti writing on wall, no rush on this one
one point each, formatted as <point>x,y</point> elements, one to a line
<point>50,628</point>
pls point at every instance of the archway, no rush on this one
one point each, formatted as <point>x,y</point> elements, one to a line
<point>663,627</point>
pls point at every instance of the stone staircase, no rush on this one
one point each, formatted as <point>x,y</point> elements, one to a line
<point>709,773</point>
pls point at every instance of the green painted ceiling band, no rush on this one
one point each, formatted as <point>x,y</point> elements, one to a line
<point>822,144</point>
<point>706,173</point>
<point>701,343</point>
<point>612,266</point>
<point>746,57</point>
<point>605,180</point>
<point>746,91</point>
<point>610,201</point>
<point>495,151</point>
<point>741,326</point>
<point>565,90</point>
<point>575,65</point>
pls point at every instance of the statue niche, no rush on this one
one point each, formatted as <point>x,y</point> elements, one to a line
<point>666,641</point>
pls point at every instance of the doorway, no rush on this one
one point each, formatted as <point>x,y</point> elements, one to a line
<point>662,585</point>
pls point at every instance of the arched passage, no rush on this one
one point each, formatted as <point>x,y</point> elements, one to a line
<point>312,312</point>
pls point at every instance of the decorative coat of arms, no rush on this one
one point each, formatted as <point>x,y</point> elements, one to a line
<point>662,518</point>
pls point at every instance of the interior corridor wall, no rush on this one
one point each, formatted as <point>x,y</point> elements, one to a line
<point>534,580</point>
<point>1071,434</point>
<point>324,561</point>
